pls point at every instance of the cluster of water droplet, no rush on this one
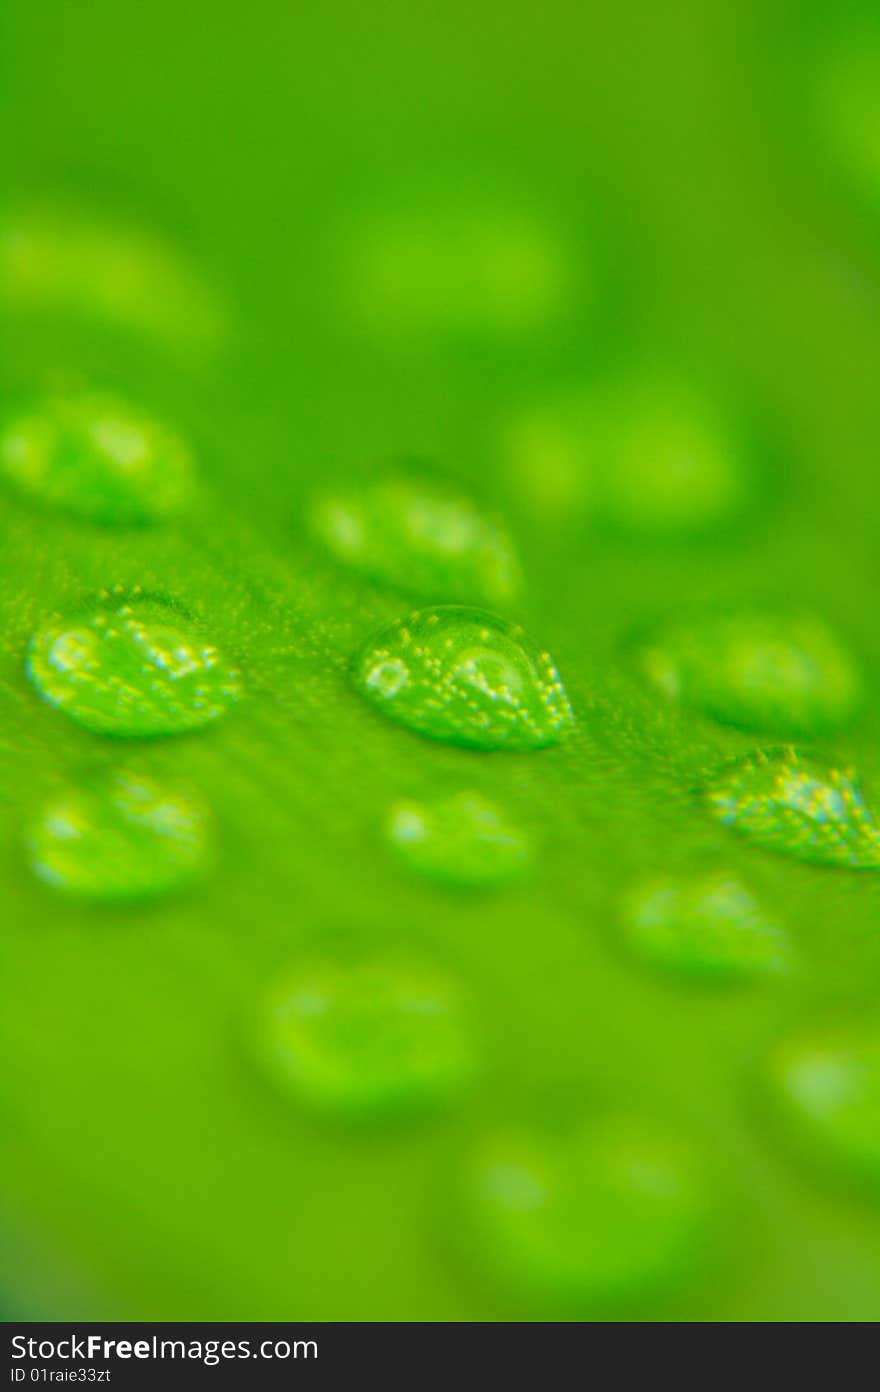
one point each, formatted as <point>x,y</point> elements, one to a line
<point>129,666</point>
<point>618,1210</point>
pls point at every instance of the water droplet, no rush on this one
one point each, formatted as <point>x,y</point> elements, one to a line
<point>62,260</point>
<point>457,266</point>
<point>709,928</point>
<point>366,1040</point>
<point>131,669</point>
<point>798,808</point>
<point>417,536</point>
<point>97,457</point>
<point>613,1214</point>
<point>826,1085</point>
<point>463,676</point>
<point>782,674</point>
<point>463,840</point>
<point>119,837</point>
<point>646,456</point>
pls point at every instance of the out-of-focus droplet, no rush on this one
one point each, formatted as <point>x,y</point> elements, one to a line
<point>366,1041</point>
<point>64,261</point>
<point>465,677</point>
<point>709,928</point>
<point>462,840</point>
<point>131,669</point>
<point>97,457</point>
<point>825,1084</point>
<point>458,265</point>
<point>420,538</point>
<point>797,807</point>
<point>846,99</point>
<point>616,1214</point>
<point>759,671</point>
<point>119,837</point>
<point>650,456</point>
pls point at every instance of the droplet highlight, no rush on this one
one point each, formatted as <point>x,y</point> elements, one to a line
<point>420,538</point>
<point>797,807</point>
<point>705,929</point>
<point>825,1084</point>
<point>465,677</point>
<point>97,457</point>
<point>118,837</point>
<point>463,840</point>
<point>136,670</point>
<point>783,674</point>
<point>366,1041</point>
<point>612,1215</point>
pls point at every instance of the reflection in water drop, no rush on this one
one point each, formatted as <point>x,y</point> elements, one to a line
<point>798,808</point>
<point>133,670</point>
<point>463,676</point>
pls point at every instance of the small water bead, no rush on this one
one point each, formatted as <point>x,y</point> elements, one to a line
<point>119,837</point>
<point>97,457</point>
<point>62,260</point>
<point>646,456</point>
<point>797,808</point>
<point>131,669</point>
<point>465,677</point>
<point>786,674</point>
<point>462,840</point>
<point>367,1040</point>
<point>421,538</point>
<point>709,928</point>
<point>617,1213</point>
<point>826,1086</point>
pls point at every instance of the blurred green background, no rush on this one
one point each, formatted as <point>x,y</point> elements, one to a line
<point>698,189</point>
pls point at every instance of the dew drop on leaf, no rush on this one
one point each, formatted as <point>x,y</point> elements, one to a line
<point>97,457</point>
<point>462,840</point>
<point>121,836</point>
<point>420,538</point>
<point>758,671</point>
<point>465,677</point>
<point>707,928</point>
<point>797,807</point>
<point>366,1040</point>
<point>615,1213</point>
<point>825,1084</point>
<point>131,669</point>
